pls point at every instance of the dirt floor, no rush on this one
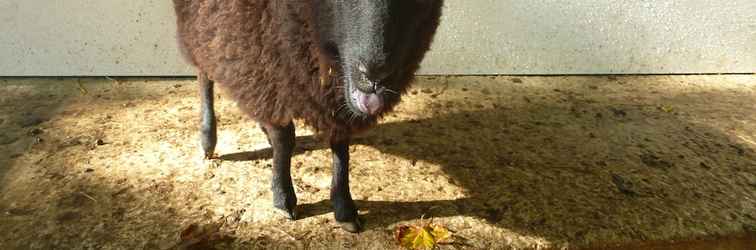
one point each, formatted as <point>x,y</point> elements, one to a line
<point>626,162</point>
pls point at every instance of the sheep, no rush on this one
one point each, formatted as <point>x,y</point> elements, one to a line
<point>337,65</point>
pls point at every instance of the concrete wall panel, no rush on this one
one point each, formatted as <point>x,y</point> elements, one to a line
<point>126,37</point>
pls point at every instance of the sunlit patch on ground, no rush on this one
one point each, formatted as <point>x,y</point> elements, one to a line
<point>504,162</point>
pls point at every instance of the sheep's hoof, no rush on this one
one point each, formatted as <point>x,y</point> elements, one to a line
<point>209,155</point>
<point>207,142</point>
<point>351,226</point>
<point>290,214</point>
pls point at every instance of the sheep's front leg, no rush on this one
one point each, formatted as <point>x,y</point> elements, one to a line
<point>208,136</point>
<point>281,139</point>
<point>344,209</point>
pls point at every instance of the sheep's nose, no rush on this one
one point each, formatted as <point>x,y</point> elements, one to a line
<point>367,87</point>
<point>370,78</point>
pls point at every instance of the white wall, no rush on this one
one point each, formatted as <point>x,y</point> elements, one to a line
<point>136,37</point>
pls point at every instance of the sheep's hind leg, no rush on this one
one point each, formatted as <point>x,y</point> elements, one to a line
<point>208,134</point>
<point>281,138</point>
<point>344,208</point>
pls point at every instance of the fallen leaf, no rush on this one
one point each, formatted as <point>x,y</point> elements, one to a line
<point>190,232</point>
<point>399,232</point>
<point>424,236</point>
<point>418,238</point>
<point>666,108</point>
<point>440,233</point>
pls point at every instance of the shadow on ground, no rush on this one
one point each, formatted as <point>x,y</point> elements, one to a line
<point>536,175</point>
<point>576,166</point>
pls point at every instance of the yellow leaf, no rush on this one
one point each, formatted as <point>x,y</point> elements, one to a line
<point>440,233</point>
<point>418,238</point>
<point>423,237</point>
<point>666,108</point>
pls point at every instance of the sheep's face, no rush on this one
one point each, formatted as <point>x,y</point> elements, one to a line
<point>370,41</point>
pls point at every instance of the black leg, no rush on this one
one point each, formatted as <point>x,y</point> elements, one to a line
<point>344,208</point>
<point>281,138</point>
<point>208,136</point>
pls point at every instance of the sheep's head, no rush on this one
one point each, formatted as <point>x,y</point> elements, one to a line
<point>369,41</point>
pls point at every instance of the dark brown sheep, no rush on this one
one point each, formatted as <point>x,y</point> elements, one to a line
<point>338,65</point>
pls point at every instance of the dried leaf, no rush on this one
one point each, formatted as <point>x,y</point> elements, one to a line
<point>425,236</point>
<point>666,108</point>
<point>399,232</point>
<point>190,232</point>
<point>418,238</point>
<point>440,233</point>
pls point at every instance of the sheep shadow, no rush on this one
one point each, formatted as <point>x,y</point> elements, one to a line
<point>304,143</point>
<point>562,172</point>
